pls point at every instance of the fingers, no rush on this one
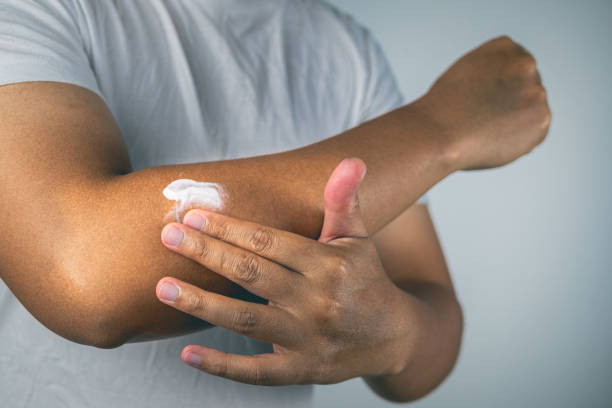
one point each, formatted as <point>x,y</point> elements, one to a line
<point>260,369</point>
<point>342,213</point>
<point>263,322</point>
<point>285,248</point>
<point>524,64</point>
<point>254,273</point>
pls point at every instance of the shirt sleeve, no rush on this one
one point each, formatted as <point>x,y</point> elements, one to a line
<point>40,41</point>
<point>381,93</point>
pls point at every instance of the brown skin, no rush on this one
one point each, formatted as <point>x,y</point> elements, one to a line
<point>81,248</point>
<point>316,318</point>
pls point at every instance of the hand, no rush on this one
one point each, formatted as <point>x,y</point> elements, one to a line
<point>333,313</point>
<point>491,104</point>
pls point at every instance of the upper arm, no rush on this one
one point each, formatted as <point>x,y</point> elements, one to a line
<point>77,239</point>
<point>412,256</point>
<point>58,141</point>
<point>80,246</point>
<point>410,250</point>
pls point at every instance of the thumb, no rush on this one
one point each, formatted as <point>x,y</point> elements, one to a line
<point>342,215</point>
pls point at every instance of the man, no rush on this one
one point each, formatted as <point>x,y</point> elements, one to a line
<point>107,103</point>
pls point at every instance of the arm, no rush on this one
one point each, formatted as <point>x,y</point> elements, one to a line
<point>334,311</point>
<point>78,231</point>
<point>412,257</point>
<point>80,247</point>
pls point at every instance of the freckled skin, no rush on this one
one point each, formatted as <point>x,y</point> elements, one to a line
<point>81,244</point>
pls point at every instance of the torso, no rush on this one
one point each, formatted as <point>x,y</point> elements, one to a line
<point>190,81</point>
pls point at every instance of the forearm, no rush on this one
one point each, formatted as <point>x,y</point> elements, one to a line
<point>433,341</point>
<point>283,190</point>
<point>108,256</point>
<point>78,234</point>
<point>404,154</point>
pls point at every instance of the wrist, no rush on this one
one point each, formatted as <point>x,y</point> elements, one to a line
<point>446,143</point>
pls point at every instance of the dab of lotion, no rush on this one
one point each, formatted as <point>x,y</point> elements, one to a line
<point>190,194</point>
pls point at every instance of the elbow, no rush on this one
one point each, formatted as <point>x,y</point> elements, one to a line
<point>448,350</point>
<point>438,358</point>
<point>85,326</point>
<point>93,293</point>
<point>72,303</point>
<point>92,324</point>
<point>100,331</point>
<point>84,311</point>
<point>100,340</point>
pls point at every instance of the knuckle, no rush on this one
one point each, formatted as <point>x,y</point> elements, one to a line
<point>343,267</point>
<point>548,116</point>
<point>243,322</point>
<point>225,261</point>
<point>200,249</point>
<point>528,65</point>
<point>542,98</point>
<point>336,262</point>
<point>333,310</point>
<point>196,303</point>
<point>328,311</point>
<point>522,66</point>
<point>337,268</point>
<point>545,121</point>
<point>247,269</point>
<point>504,40</point>
<point>222,230</point>
<point>527,59</point>
<point>540,93</point>
<point>534,93</point>
<point>263,240</point>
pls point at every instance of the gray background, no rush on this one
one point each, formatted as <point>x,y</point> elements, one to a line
<point>528,244</point>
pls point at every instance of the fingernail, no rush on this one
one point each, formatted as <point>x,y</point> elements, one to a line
<point>168,291</point>
<point>172,235</point>
<point>193,359</point>
<point>194,220</point>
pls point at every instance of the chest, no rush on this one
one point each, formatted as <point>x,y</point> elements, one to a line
<point>186,86</point>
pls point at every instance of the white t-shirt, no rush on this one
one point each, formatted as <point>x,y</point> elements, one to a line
<point>187,81</point>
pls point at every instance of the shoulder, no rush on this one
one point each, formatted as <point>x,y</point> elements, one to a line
<point>32,9</point>
<point>356,49</point>
<point>327,18</point>
<point>49,20</point>
<point>342,36</point>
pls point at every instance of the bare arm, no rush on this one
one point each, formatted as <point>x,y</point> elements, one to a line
<point>81,245</point>
<point>78,231</point>
<point>344,306</point>
<point>412,257</point>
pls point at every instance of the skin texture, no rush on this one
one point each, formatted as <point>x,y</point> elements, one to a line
<point>333,311</point>
<point>509,96</point>
<point>81,245</point>
<point>95,231</point>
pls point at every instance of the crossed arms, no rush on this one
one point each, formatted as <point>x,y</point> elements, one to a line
<point>81,245</point>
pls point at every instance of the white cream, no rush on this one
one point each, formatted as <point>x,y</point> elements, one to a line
<point>190,194</point>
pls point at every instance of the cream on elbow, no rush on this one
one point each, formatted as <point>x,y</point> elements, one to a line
<point>188,194</point>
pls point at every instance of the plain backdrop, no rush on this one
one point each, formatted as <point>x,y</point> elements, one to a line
<point>529,245</point>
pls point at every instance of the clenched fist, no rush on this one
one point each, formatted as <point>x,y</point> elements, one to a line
<point>490,104</point>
